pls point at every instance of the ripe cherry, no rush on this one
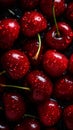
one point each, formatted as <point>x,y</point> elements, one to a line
<point>49,112</point>
<point>55,63</point>
<point>15,63</point>
<point>9,32</point>
<point>14,106</point>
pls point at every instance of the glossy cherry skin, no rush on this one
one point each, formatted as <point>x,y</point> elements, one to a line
<point>59,42</point>
<point>49,112</point>
<point>15,63</point>
<point>9,32</point>
<point>41,85</point>
<point>3,126</point>
<point>47,7</point>
<point>32,23</point>
<point>64,88</point>
<point>68,117</point>
<point>30,48</point>
<point>7,3</point>
<point>69,13</point>
<point>71,64</point>
<point>28,124</point>
<point>28,4</point>
<point>14,105</point>
<point>55,63</point>
<point>2,81</point>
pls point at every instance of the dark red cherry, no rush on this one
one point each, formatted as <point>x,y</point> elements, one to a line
<point>71,64</point>
<point>32,23</point>
<point>9,31</point>
<point>47,5</point>
<point>15,63</point>
<point>30,48</point>
<point>7,3</point>
<point>64,88</point>
<point>41,85</point>
<point>69,12</point>
<point>28,124</point>
<point>68,117</point>
<point>59,42</point>
<point>3,126</point>
<point>55,63</point>
<point>28,4</point>
<point>14,106</point>
<point>49,112</point>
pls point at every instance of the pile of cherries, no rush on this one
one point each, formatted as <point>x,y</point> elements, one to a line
<point>36,65</point>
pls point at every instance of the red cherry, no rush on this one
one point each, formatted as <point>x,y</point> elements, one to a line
<point>7,3</point>
<point>69,13</point>
<point>9,31</point>
<point>30,48</point>
<point>49,112</point>
<point>28,4</point>
<point>60,42</point>
<point>68,117</point>
<point>55,63</point>
<point>3,126</point>
<point>32,23</point>
<point>64,88</point>
<point>14,106</point>
<point>28,124</point>
<point>46,7</point>
<point>71,64</point>
<point>40,84</point>
<point>2,81</point>
<point>15,63</point>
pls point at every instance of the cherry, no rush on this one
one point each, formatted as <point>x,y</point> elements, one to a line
<point>15,63</point>
<point>62,41</point>
<point>49,112</point>
<point>14,106</point>
<point>3,126</point>
<point>2,81</point>
<point>32,23</point>
<point>55,63</point>
<point>7,3</point>
<point>69,13</point>
<point>34,50</point>
<point>46,7</point>
<point>64,88</point>
<point>68,117</point>
<point>71,64</point>
<point>9,31</point>
<point>28,124</point>
<point>28,4</point>
<point>41,85</point>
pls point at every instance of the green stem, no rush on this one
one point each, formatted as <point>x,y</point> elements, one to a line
<point>14,86</point>
<point>55,21</point>
<point>30,116</point>
<point>39,48</point>
<point>10,11</point>
<point>3,72</point>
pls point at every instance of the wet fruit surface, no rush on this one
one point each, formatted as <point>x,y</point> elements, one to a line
<point>36,65</point>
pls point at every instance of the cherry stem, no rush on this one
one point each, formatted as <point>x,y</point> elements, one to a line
<point>14,86</point>
<point>30,116</point>
<point>55,21</point>
<point>3,72</point>
<point>39,48</point>
<point>11,12</point>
